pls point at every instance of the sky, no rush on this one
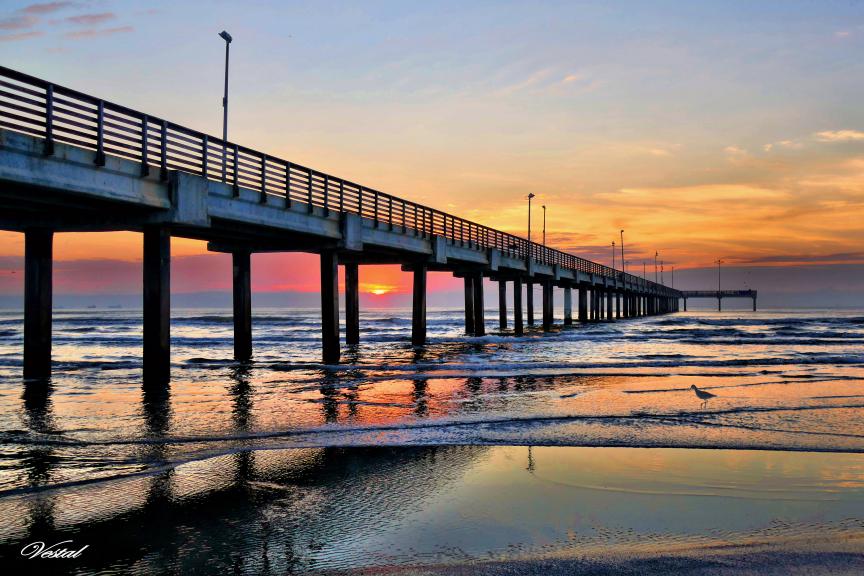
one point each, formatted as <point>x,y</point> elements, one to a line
<point>728,130</point>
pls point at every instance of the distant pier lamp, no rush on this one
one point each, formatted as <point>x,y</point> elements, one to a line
<point>530,197</point>
<point>623,262</point>
<point>227,37</point>
<point>544,225</point>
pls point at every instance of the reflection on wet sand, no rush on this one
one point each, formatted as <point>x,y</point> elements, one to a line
<point>309,510</point>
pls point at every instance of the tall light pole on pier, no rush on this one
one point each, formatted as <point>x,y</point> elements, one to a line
<point>613,255</point>
<point>227,37</point>
<point>719,262</point>
<point>644,272</point>
<point>623,262</point>
<point>655,266</point>
<point>661,273</point>
<point>673,276</point>
<point>719,298</point>
<point>530,196</point>
<point>544,225</point>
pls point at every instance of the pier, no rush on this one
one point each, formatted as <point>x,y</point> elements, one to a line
<point>71,162</point>
<point>719,295</point>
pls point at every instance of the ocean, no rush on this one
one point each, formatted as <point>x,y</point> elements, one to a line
<point>587,440</point>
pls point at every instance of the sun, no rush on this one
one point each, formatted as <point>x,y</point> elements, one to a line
<point>378,291</point>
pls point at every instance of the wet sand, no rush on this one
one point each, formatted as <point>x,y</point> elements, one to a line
<point>462,510</point>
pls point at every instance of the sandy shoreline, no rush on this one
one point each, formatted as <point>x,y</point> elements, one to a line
<point>791,557</point>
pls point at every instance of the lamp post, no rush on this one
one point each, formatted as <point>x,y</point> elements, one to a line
<point>544,225</point>
<point>661,273</point>
<point>623,262</point>
<point>655,266</point>
<point>644,272</point>
<point>673,276</point>
<point>227,37</point>
<point>719,262</point>
<point>530,196</point>
<point>613,255</point>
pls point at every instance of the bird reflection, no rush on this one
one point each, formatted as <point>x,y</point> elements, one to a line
<point>531,466</point>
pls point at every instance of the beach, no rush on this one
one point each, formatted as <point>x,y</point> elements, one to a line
<point>579,450</point>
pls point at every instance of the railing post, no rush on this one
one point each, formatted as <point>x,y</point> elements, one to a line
<point>375,196</point>
<point>263,199</point>
<point>235,187</point>
<point>404,227</point>
<point>100,134</point>
<point>360,201</point>
<point>309,190</point>
<point>163,152</point>
<point>287,185</point>
<point>341,195</point>
<point>145,167</point>
<point>390,212</point>
<point>326,195</point>
<point>49,121</point>
<point>204,149</point>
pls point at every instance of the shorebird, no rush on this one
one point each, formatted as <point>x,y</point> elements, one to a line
<point>702,394</point>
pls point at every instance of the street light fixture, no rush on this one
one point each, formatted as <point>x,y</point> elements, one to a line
<point>655,266</point>
<point>530,196</point>
<point>623,262</point>
<point>227,37</point>
<point>613,255</point>
<point>544,225</point>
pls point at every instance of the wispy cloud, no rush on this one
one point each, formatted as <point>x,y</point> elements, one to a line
<point>93,33</point>
<point>839,135</point>
<point>20,36</point>
<point>19,22</point>
<point>46,7</point>
<point>788,144</point>
<point>91,19</point>
<point>842,34</point>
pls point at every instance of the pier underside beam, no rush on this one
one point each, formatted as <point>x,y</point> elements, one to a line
<point>547,306</point>
<point>479,310</point>
<point>157,304</point>
<point>610,299</point>
<point>352,303</point>
<point>38,254</point>
<point>418,316</point>
<point>330,307</point>
<point>518,328</point>
<point>242,282</point>
<point>502,305</point>
<point>568,306</point>
<point>469,304</point>
<point>583,304</point>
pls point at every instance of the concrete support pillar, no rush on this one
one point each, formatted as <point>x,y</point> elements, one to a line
<point>157,304</point>
<point>529,301</point>
<point>547,306</point>
<point>479,316</point>
<point>685,304</point>
<point>618,305</point>
<point>583,304</point>
<point>502,305</point>
<point>518,328</point>
<point>242,281</point>
<point>610,303</point>
<point>568,306</point>
<point>418,316</point>
<point>754,304</point>
<point>38,256</point>
<point>352,304</point>
<point>719,304</point>
<point>330,307</point>
<point>469,305</point>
